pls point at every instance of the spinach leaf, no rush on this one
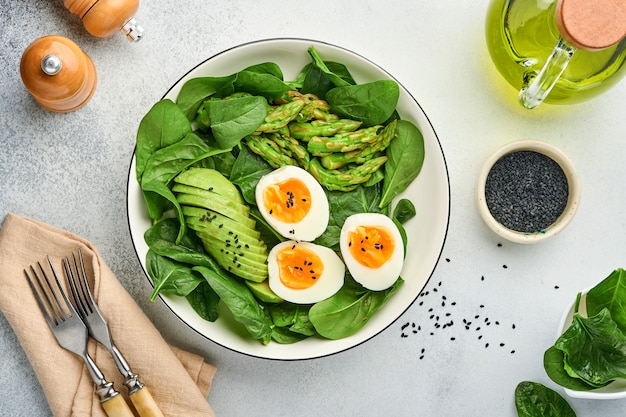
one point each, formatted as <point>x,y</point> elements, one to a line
<point>405,159</point>
<point>261,84</point>
<point>554,365</point>
<point>371,103</point>
<point>404,211</point>
<point>317,81</point>
<point>161,239</point>
<point>156,194</point>
<point>269,68</point>
<point>610,294</point>
<point>163,125</point>
<point>165,163</point>
<point>196,90</point>
<point>241,303</point>
<point>231,120</point>
<point>170,276</point>
<point>292,316</point>
<point>246,173</point>
<point>284,336</point>
<point>336,79</point>
<point>346,312</point>
<point>205,301</point>
<point>533,399</point>
<point>595,349</point>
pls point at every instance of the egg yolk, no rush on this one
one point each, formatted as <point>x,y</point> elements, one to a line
<point>288,201</point>
<point>371,246</point>
<point>299,268</point>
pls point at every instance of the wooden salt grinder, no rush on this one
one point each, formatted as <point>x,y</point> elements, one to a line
<point>58,74</point>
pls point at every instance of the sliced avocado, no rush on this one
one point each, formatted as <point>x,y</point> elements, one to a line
<point>214,209</point>
<point>220,226</point>
<point>210,179</point>
<point>201,205</point>
<point>263,292</point>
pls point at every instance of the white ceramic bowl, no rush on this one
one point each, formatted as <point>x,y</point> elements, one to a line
<point>573,188</point>
<point>614,390</point>
<point>430,192</point>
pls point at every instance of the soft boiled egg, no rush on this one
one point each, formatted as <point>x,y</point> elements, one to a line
<point>372,249</point>
<point>303,272</point>
<point>293,203</point>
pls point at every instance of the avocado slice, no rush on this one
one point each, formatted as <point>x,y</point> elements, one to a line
<point>203,204</point>
<point>263,292</point>
<point>210,180</point>
<point>198,197</point>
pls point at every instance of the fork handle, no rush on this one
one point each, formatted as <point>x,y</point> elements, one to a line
<point>116,407</point>
<point>144,403</point>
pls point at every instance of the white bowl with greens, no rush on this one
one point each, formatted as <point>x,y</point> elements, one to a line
<point>425,229</point>
<point>588,358</point>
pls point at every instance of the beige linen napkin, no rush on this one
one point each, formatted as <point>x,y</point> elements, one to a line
<point>179,381</point>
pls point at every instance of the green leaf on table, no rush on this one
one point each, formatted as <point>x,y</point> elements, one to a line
<point>533,399</point>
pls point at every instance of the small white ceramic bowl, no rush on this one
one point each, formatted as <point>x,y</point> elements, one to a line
<point>573,191</point>
<point>614,390</point>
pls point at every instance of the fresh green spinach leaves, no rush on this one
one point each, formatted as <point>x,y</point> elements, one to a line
<point>591,353</point>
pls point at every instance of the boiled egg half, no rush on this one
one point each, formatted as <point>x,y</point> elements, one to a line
<point>303,272</point>
<point>372,249</point>
<point>293,203</point>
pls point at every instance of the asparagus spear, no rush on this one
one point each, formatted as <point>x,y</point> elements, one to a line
<point>291,147</point>
<point>269,150</point>
<point>337,160</point>
<point>279,116</point>
<point>347,180</point>
<point>343,142</point>
<point>306,130</point>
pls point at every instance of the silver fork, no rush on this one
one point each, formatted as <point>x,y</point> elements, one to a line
<point>71,333</point>
<point>98,328</point>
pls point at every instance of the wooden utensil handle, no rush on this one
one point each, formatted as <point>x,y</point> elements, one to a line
<point>117,407</point>
<point>145,404</point>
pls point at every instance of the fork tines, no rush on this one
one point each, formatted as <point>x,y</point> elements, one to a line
<point>47,295</point>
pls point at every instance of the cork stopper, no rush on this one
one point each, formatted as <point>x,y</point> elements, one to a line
<point>58,74</point>
<point>591,25</point>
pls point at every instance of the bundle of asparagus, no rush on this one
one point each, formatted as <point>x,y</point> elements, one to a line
<point>339,153</point>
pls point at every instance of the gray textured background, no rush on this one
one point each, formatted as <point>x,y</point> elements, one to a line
<point>70,170</point>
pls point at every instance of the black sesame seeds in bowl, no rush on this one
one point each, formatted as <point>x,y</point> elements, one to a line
<point>527,191</point>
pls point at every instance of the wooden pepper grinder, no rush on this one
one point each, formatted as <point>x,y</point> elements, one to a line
<point>58,74</point>
<point>102,18</point>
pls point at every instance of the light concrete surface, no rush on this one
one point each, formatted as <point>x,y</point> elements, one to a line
<point>71,170</point>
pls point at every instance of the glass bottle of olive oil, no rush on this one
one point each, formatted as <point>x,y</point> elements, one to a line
<point>521,35</point>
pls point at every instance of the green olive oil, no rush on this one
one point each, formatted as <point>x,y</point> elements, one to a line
<point>521,34</point>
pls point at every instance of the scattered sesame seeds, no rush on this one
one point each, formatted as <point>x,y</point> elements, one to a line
<point>441,313</point>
